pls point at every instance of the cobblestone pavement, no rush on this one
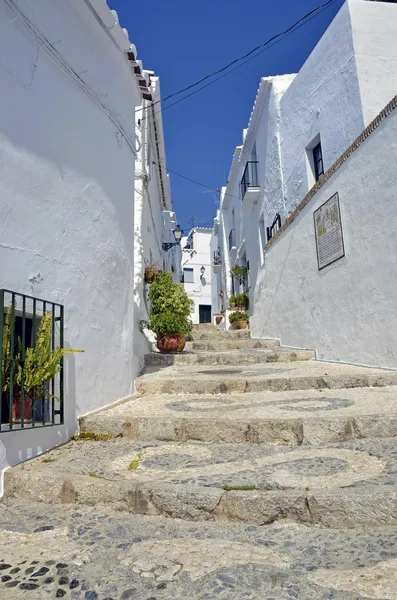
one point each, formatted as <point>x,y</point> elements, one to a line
<point>93,554</point>
<point>238,466</point>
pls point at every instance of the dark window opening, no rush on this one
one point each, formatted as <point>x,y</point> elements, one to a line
<point>318,161</point>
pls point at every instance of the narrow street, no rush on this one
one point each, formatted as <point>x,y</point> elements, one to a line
<point>241,469</point>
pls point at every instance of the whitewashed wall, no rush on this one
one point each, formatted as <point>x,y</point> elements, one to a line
<point>67,199</point>
<point>153,218</point>
<point>345,82</point>
<point>200,290</point>
<point>347,311</point>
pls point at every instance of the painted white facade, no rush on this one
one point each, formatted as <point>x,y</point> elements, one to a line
<point>346,311</point>
<point>196,253</point>
<point>343,85</point>
<point>71,160</point>
<point>154,218</point>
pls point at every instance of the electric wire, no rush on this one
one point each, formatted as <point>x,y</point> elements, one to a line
<point>194,181</point>
<point>163,108</point>
<point>262,46</point>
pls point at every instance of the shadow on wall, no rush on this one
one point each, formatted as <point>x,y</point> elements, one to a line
<point>19,446</point>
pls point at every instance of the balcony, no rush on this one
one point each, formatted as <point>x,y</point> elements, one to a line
<point>217,263</point>
<point>250,185</point>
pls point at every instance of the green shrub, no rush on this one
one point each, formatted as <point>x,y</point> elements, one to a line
<point>238,317</point>
<point>167,323</point>
<point>170,307</point>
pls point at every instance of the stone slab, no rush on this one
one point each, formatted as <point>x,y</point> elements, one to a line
<point>297,417</point>
<point>255,378</point>
<point>232,357</point>
<point>231,344</point>
<point>220,334</point>
<point>336,486</point>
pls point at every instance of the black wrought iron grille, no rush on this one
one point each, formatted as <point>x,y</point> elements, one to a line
<point>29,397</point>
<point>250,177</point>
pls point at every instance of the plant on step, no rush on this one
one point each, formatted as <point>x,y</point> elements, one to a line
<point>238,317</point>
<point>169,313</point>
<point>151,272</point>
<point>232,300</point>
<point>168,323</point>
<point>241,301</point>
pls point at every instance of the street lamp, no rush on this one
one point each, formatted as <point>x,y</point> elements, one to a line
<point>202,271</point>
<point>177,235</point>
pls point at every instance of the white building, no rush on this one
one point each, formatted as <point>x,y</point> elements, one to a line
<point>83,209</point>
<point>300,125</point>
<point>197,272</point>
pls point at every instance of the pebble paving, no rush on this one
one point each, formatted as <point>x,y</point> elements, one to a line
<point>90,549</point>
<point>92,554</point>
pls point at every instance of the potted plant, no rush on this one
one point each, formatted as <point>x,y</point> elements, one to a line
<point>34,372</point>
<point>151,272</point>
<point>242,301</point>
<point>232,302</point>
<point>170,309</point>
<point>218,318</point>
<point>238,319</point>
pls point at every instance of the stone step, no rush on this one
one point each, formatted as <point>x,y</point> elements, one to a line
<point>340,485</point>
<point>231,344</point>
<point>111,554</point>
<point>231,357</point>
<point>291,418</point>
<point>272,377</point>
<point>221,334</point>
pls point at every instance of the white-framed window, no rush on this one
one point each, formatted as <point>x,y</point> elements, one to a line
<point>188,275</point>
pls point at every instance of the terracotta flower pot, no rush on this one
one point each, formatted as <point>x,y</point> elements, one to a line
<point>17,407</point>
<point>242,325</point>
<point>171,344</point>
<point>218,319</point>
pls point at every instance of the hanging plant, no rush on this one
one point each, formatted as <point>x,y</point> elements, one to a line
<point>151,272</point>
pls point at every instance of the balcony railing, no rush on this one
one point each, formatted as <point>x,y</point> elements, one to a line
<point>274,227</point>
<point>31,365</point>
<point>232,239</point>
<point>250,177</point>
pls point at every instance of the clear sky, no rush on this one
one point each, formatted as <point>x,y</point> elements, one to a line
<point>183,40</point>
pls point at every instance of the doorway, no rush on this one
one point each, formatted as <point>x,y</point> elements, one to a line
<point>204,313</point>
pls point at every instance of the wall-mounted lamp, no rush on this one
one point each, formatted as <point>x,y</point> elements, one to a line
<point>202,271</point>
<point>177,235</point>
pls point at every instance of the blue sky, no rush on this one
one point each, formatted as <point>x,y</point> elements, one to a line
<point>182,41</point>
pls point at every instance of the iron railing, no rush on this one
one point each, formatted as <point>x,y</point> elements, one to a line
<point>275,226</point>
<point>232,239</point>
<point>27,403</point>
<point>250,177</point>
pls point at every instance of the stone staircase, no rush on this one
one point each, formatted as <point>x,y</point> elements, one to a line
<point>235,430</point>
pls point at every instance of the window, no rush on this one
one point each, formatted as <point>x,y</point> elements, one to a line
<point>188,276</point>
<point>318,161</point>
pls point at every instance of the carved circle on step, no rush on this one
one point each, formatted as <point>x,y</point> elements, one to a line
<point>287,469</point>
<point>197,558</point>
<point>214,404</point>
<point>312,404</point>
<point>378,582</point>
<point>200,404</point>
